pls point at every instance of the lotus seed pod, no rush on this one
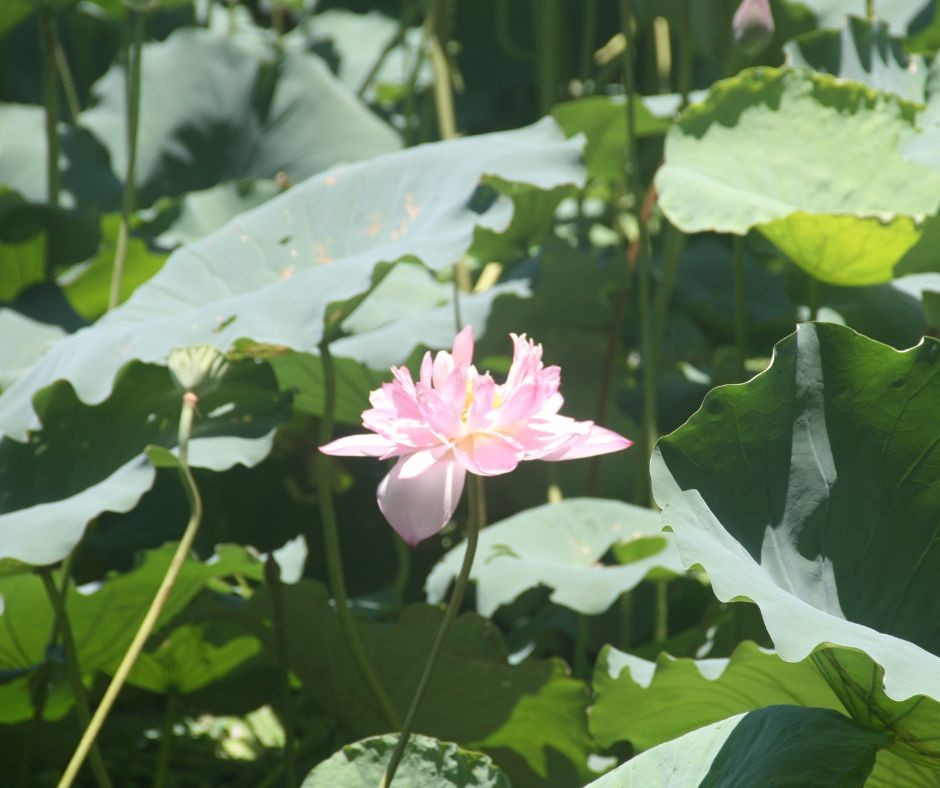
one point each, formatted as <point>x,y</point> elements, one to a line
<point>197,368</point>
<point>753,25</point>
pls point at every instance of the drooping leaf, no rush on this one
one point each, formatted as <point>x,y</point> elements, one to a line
<point>811,491</point>
<point>475,698</point>
<point>785,746</point>
<point>88,459</point>
<point>671,697</point>
<point>862,51</point>
<point>24,340</point>
<point>247,112</point>
<point>103,619</point>
<point>560,546</point>
<point>427,761</point>
<point>272,274</point>
<point>843,204</point>
<point>186,661</point>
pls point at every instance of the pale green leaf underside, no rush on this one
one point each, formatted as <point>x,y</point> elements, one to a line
<point>559,546</point>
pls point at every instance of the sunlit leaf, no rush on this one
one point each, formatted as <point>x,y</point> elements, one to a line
<point>812,491</point>
<point>560,546</point>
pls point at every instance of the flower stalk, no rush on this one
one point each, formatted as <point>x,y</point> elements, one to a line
<point>740,307</point>
<point>476,522</point>
<point>334,560</point>
<point>73,669</point>
<point>187,416</point>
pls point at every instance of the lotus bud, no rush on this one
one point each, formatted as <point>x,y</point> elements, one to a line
<point>198,368</point>
<point>753,25</point>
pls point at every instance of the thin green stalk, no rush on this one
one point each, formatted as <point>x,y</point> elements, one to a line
<point>870,9</point>
<point>740,307</point>
<point>166,740</point>
<point>581,647</point>
<point>650,431</point>
<point>546,32</point>
<point>476,522</point>
<point>685,52</point>
<point>50,98</point>
<point>626,620</point>
<point>813,297</point>
<point>443,82</point>
<point>334,559</point>
<point>588,32</point>
<point>411,92</point>
<point>409,14</point>
<point>504,36</point>
<point>65,75</point>
<point>403,573</point>
<point>135,41</point>
<point>73,670</point>
<point>674,242</point>
<point>661,611</point>
<point>187,414</point>
<point>272,576</point>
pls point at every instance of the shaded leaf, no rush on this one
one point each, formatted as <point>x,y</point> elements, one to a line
<point>786,746</point>
<point>811,490</point>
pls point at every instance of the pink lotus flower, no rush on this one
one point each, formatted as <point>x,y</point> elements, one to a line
<point>454,420</point>
<point>753,25</point>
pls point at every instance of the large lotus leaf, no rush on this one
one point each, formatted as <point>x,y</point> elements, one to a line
<point>862,51</point>
<point>898,14</point>
<point>187,661</point>
<point>24,340</point>
<point>12,12</point>
<point>87,179</point>
<point>476,698</point>
<point>843,203</point>
<point>246,113</point>
<point>356,42</point>
<point>103,618</point>
<point>88,459</point>
<point>671,697</point>
<point>560,545</point>
<point>603,120</point>
<point>813,491</point>
<point>783,746</point>
<point>427,761</point>
<point>88,286</point>
<point>271,273</point>
<point>36,236</point>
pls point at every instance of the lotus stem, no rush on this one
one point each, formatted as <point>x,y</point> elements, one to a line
<point>870,9</point>
<point>50,96</point>
<point>546,32</point>
<point>132,114</point>
<point>685,52</point>
<point>73,670</point>
<point>334,559</point>
<point>661,611</point>
<point>272,577</point>
<point>740,307</point>
<point>813,297</point>
<point>443,81</point>
<point>476,522</point>
<point>146,627</point>
<point>588,31</point>
<point>166,740</point>
<point>650,431</point>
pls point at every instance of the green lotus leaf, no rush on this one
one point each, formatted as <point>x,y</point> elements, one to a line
<point>427,761</point>
<point>272,274</point>
<point>671,697</point>
<point>560,545</point>
<point>785,746</point>
<point>844,204</point>
<point>103,618</point>
<point>25,340</point>
<point>534,711</point>
<point>812,491</point>
<point>247,112</point>
<point>88,459</point>
<point>186,661</point>
<point>862,51</point>
<point>898,14</point>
